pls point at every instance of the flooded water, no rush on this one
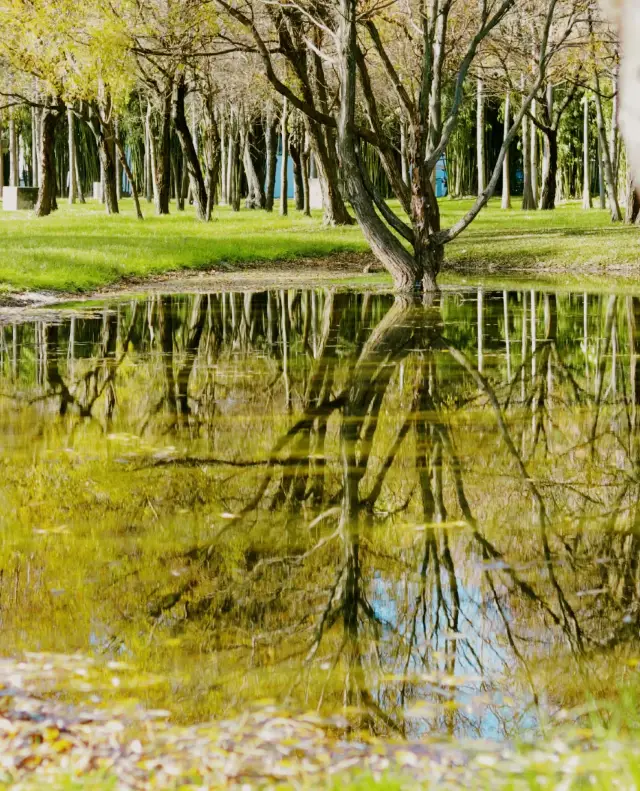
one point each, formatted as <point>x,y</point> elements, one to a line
<point>424,517</point>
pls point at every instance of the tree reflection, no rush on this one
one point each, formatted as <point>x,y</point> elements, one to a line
<point>437,506</point>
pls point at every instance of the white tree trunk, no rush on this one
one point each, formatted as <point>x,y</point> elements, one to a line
<point>14,176</point>
<point>601,195</point>
<point>506,169</point>
<point>35,117</point>
<point>480,138</point>
<point>533,140</point>
<point>586,181</point>
<point>72,157</point>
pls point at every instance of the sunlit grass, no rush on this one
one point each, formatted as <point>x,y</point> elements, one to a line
<point>79,248</point>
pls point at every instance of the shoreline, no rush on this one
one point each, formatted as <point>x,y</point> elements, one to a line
<point>354,270</point>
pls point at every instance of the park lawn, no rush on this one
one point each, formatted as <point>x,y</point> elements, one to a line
<point>80,249</point>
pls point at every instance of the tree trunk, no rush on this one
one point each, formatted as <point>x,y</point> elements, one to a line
<point>47,158</point>
<point>304,161</point>
<point>256,195</point>
<point>284,184</point>
<point>533,140</point>
<point>177,180</point>
<point>34,146</point>
<point>586,180</point>
<point>1,161</point>
<point>298,185</point>
<point>79,182</point>
<point>633,201</point>
<point>550,181</point>
<point>605,163</point>
<point>106,155</point>
<point>528,203</point>
<point>271,145</point>
<point>163,155</point>
<point>601,195</point>
<point>72,157</point>
<point>14,176</point>
<point>125,166</point>
<point>480,147</point>
<point>406,271</point>
<point>614,148</point>
<point>404,162</point>
<point>506,169</point>
<point>196,178</point>
<point>223,162</point>
<point>118,166</point>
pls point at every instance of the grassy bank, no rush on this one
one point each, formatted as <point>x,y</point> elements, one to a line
<point>79,249</point>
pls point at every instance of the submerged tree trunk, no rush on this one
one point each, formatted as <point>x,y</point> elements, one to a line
<point>506,165</point>
<point>47,190</point>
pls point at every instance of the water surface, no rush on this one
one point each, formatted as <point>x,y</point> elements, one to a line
<point>423,516</point>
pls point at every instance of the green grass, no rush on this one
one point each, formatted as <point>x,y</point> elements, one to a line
<point>80,249</point>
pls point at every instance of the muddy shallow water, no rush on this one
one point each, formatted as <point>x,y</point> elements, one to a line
<point>424,517</point>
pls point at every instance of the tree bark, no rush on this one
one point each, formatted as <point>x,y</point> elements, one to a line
<point>533,140</point>
<point>163,154</point>
<point>196,178</point>
<point>72,157</point>
<point>81,197</point>
<point>34,146</point>
<point>256,196</point>
<point>605,159</point>
<point>480,131</point>
<point>633,201</point>
<point>549,184</point>
<point>506,165</point>
<point>1,161</point>
<point>298,182</point>
<point>14,176</point>
<point>271,146</point>
<point>47,190</point>
<point>404,163</point>
<point>528,203</point>
<point>586,180</point>
<point>284,164</point>
<point>304,162</point>
<point>125,166</point>
<point>405,270</point>
<point>118,165</point>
